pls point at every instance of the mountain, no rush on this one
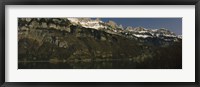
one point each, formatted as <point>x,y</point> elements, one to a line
<point>114,27</point>
<point>87,23</point>
<point>92,43</point>
<point>129,32</point>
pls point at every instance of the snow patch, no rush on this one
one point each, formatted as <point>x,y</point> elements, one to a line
<point>142,36</point>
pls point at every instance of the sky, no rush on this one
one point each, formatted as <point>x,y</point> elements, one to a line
<point>172,24</point>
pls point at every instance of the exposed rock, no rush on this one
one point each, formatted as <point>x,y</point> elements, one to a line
<point>112,24</point>
<point>44,25</point>
<point>57,40</point>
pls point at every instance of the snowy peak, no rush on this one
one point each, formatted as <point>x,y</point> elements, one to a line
<point>113,28</point>
<point>162,33</point>
<point>88,23</point>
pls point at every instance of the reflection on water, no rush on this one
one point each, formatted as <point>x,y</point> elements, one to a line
<point>114,64</point>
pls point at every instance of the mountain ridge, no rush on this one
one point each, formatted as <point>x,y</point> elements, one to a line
<point>58,40</point>
<point>115,28</point>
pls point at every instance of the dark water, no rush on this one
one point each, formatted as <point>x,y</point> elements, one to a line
<point>79,65</point>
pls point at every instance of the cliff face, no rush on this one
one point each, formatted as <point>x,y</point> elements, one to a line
<point>57,40</point>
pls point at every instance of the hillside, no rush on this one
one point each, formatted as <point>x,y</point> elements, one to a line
<point>61,41</point>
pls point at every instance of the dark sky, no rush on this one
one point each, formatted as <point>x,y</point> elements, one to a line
<point>173,24</point>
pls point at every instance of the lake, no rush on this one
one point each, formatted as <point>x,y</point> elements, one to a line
<point>114,64</point>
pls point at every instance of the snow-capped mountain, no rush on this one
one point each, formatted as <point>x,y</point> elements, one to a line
<point>88,23</point>
<point>143,32</point>
<point>114,28</point>
<point>77,43</point>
